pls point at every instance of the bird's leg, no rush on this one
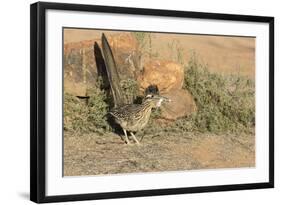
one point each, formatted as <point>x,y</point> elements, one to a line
<point>126,137</point>
<point>134,137</point>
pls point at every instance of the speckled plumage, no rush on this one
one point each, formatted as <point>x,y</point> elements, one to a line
<point>133,117</point>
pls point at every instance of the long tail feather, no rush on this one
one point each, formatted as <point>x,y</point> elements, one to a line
<point>112,73</point>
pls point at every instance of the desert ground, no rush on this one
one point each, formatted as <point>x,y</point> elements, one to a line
<point>92,154</point>
<point>95,154</point>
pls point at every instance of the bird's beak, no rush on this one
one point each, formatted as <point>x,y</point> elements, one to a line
<point>165,99</point>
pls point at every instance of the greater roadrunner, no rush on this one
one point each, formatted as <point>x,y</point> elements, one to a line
<point>131,117</point>
<point>134,117</point>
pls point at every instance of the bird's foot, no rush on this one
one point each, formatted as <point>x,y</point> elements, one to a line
<point>128,142</point>
<point>135,139</point>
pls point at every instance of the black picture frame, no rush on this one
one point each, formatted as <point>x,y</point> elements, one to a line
<point>38,101</point>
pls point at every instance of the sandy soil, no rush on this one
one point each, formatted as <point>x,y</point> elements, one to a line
<point>90,154</point>
<point>224,54</point>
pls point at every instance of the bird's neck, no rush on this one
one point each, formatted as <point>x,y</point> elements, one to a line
<point>146,109</point>
<point>147,104</point>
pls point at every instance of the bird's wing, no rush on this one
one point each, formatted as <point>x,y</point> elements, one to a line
<point>112,73</point>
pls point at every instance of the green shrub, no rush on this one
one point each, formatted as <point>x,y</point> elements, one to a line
<point>130,89</point>
<point>225,102</point>
<point>86,115</point>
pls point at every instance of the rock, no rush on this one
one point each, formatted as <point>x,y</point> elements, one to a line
<point>167,75</point>
<point>182,105</point>
<point>76,89</point>
<point>124,42</point>
<point>80,65</point>
<point>126,53</point>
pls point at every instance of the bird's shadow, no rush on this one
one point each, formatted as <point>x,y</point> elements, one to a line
<point>115,126</point>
